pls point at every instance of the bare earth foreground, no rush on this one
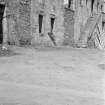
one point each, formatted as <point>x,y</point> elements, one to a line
<point>53,76</point>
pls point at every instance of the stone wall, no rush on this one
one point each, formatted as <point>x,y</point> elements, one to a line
<point>86,20</point>
<point>22,22</point>
<point>22,18</point>
<point>12,17</point>
<point>49,9</point>
<point>69,27</point>
<point>18,16</point>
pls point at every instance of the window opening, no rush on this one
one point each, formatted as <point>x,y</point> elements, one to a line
<point>40,23</point>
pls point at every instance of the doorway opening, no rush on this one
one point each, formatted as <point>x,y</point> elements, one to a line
<point>103,25</point>
<point>92,5</point>
<point>2,8</point>
<point>51,35</point>
<point>52,24</point>
<point>69,3</point>
<point>40,23</point>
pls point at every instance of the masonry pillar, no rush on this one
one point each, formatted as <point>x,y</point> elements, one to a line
<point>5,29</point>
<point>89,8</point>
<point>74,5</point>
<point>77,21</point>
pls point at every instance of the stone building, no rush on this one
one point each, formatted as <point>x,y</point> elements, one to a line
<point>88,17</point>
<point>78,23</point>
<point>69,11</point>
<point>31,22</point>
<point>89,23</point>
<point>47,17</point>
<point>15,21</point>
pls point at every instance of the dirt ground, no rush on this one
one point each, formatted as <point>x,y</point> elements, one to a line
<point>53,76</point>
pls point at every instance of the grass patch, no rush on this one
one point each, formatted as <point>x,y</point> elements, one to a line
<point>6,52</point>
<point>102,66</point>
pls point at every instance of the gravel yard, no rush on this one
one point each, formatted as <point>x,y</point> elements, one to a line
<point>52,76</point>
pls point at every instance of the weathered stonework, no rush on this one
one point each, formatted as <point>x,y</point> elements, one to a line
<point>77,25</point>
<point>69,27</point>
<point>88,23</point>
<point>87,28</point>
<point>48,9</point>
<point>19,22</point>
<point>16,21</point>
<point>22,26</point>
